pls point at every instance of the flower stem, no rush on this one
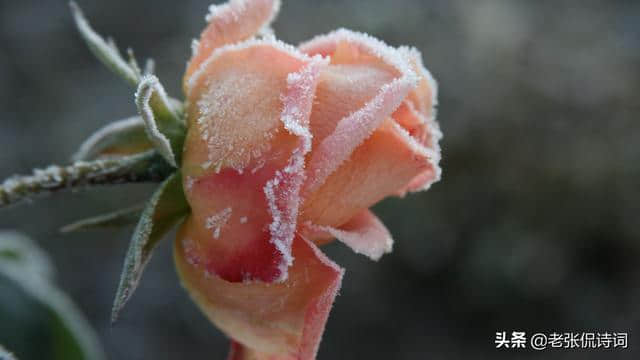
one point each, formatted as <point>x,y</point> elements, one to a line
<point>145,167</point>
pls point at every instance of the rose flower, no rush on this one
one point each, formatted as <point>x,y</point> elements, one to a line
<point>286,149</point>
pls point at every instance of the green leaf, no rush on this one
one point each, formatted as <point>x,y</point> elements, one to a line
<point>119,218</point>
<point>165,208</point>
<point>105,51</point>
<point>164,123</point>
<point>122,137</point>
<point>29,268</point>
<point>5,354</point>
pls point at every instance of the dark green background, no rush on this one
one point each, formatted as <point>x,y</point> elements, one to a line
<point>534,226</point>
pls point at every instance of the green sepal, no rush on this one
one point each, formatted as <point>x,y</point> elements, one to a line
<point>164,124</point>
<point>165,208</point>
<point>105,50</point>
<point>122,137</point>
<point>119,218</point>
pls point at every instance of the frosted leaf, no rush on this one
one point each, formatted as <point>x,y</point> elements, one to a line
<point>217,221</point>
<point>123,217</point>
<point>5,354</point>
<point>27,267</point>
<point>103,50</point>
<point>364,233</point>
<point>355,128</point>
<point>118,135</point>
<point>158,127</point>
<point>165,208</point>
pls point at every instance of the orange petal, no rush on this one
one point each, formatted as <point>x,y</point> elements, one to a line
<point>243,163</point>
<point>421,103</point>
<point>364,233</point>
<point>383,165</point>
<point>381,80</point>
<point>270,321</point>
<point>425,96</point>
<point>426,132</point>
<point>234,102</point>
<point>229,23</point>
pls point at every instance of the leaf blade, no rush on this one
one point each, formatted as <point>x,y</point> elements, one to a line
<point>105,51</point>
<point>32,271</point>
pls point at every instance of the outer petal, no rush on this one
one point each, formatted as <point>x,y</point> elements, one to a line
<point>243,163</point>
<point>230,23</point>
<point>270,321</point>
<point>425,96</point>
<point>420,105</point>
<point>381,166</point>
<point>350,169</point>
<point>364,233</point>
<point>350,48</point>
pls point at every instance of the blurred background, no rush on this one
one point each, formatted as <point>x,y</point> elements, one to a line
<point>534,226</point>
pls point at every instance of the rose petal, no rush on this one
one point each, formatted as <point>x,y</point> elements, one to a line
<point>229,23</point>
<point>271,321</point>
<point>243,161</point>
<point>235,101</point>
<point>413,122</point>
<point>421,105</point>
<point>384,164</point>
<point>368,56</point>
<point>364,233</point>
<point>427,134</point>
<point>425,96</point>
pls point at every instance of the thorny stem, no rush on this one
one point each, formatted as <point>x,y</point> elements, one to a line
<point>145,167</point>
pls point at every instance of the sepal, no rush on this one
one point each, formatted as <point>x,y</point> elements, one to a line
<point>118,218</point>
<point>122,137</point>
<point>165,208</point>
<point>163,123</point>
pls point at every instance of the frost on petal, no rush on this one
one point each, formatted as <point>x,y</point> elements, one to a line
<point>423,132</point>
<point>374,79</point>
<point>229,23</point>
<point>283,190</point>
<point>385,163</point>
<point>234,102</point>
<point>245,150</point>
<point>268,321</point>
<point>364,233</point>
<point>421,105</point>
<point>425,95</point>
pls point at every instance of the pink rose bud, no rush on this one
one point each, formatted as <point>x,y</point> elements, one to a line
<point>286,149</point>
